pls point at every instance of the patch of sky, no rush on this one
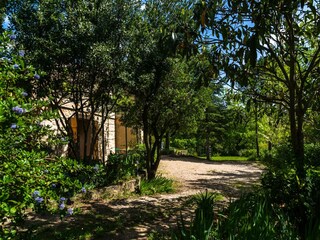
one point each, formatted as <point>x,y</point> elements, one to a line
<point>5,23</point>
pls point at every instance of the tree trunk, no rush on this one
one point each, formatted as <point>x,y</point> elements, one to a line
<point>167,143</point>
<point>256,130</point>
<point>155,157</point>
<point>296,132</point>
<point>146,140</point>
<point>208,147</point>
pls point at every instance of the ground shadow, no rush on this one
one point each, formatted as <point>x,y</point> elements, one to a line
<point>137,217</point>
<point>120,219</point>
<point>211,162</point>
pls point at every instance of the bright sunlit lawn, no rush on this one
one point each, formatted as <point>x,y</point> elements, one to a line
<point>227,158</point>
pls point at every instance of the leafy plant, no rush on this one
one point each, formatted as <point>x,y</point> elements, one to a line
<point>254,217</point>
<point>123,166</point>
<point>201,227</point>
<point>312,153</point>
<point>298,198</point>
<point>157,185</point>
<point>24,140</point>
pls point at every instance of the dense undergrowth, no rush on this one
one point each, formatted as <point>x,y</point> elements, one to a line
<point>283,207</point>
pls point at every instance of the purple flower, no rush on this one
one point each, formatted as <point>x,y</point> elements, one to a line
<point>53,185</point>
<point>14,126</point>
<point>13,37</point>
<point>39,200</point>
<point>62,199</point>
<point>22,53</point>
<point>25,94</point>
<point>35,194</point>
<point>61,206</point>
<point>36,76</point>
<point>69,211</point>
<point>16,66</point>
<point>84,190</point>
<point>18,110</point>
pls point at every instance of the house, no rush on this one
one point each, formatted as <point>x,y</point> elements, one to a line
<point>92,136</point>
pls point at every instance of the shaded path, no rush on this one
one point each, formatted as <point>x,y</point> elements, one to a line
<point>137,217</point>
<point>193,176</point>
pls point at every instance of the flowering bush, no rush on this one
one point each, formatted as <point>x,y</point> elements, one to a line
<point>27,179</point>
<point>22,143</point>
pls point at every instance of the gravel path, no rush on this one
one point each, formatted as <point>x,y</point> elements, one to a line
<point>135,218</point>
<point>193,176</point>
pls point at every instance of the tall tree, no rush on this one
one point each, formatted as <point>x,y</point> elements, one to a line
<point>284,36</point>
<point>82,46</point>
<point>165,97</point>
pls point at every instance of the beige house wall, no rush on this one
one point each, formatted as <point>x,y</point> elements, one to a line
<point>126,137</point>
<point>108,135</point>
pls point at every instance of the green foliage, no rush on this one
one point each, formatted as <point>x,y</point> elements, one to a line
<point>157,185</point>
<point>298,198</point>
<point>123,166</point>
<point>202,224</point>
<point>228,158</point>
<point>29,180</point>
<point>254,216</point>
<point>251,154</point>
<point>23,136</point>
<point>185,144</point>
<point>83,46</point>
<point>312,154</point>
<point>279,158</point>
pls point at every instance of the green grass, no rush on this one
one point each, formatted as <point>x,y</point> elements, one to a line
<point>157,185</point>
<point>227,158</point>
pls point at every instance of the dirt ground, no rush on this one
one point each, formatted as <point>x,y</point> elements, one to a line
<point>192,176</point>
<point>140,217</point>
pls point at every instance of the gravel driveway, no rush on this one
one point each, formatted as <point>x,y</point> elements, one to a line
<point>135,218</point>
<point>194,175</point>
<point>230,178</point>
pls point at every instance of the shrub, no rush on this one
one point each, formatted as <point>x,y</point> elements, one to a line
<point>254,217</point>
<point>298,198</point>
<point>312,154</point>
<point>185,144</point>
<point>251,154</point>
<point>24,140</point>
<point>203,222</point>
<point>157,185</point>
<point>280,157</point>
<point>122,166</point>
<point>28,180</point>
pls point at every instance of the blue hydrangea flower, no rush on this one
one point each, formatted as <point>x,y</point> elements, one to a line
<point>62,199</point>
<point>13,37</point>
<point>96,168</point>
<point>64,139</point>
<point>25,94</point>
<point>35,194</point>
<point>61,206</point>
<point>36,76</point>
<point>69,211</point>
<point>14,126</point>
<point>16,66</point>
<point>39,200</point>
<point>22,53</point>
<point>84,190</point>
<point>18,110</point>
